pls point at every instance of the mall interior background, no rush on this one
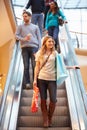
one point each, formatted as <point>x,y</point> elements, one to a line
<point>11,65</point>
<point>76,14</point>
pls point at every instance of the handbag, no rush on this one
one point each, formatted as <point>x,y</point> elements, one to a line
<point>61,71</point>
<point>60,21</point>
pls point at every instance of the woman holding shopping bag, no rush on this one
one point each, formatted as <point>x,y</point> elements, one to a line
<point>45,78</point>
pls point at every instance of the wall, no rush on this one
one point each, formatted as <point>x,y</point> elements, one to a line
<point>7,39</point>
<point>82,60</point>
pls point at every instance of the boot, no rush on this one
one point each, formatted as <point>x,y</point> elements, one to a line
<point>50,113</point>
<point>44,113</point>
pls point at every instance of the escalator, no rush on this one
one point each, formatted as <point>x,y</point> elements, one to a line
<point>28,120</point>
<point>70,112</point>
<point>18,102</point>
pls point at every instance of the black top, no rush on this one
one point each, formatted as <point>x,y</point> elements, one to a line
<point>37,6</point>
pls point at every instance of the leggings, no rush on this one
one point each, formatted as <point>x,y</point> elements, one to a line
<point>51,86</point>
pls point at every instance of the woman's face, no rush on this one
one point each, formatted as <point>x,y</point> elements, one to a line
<point>49,43</point>
<point>52,5</point>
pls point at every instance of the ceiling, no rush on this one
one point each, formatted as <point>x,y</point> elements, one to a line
<point>74,4</point>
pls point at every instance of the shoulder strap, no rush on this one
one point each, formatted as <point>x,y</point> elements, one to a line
<point>45,62</point>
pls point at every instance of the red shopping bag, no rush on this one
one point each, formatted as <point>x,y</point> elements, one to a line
<point>34,104</point>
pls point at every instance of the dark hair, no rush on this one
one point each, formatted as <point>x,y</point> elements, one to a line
<point>56,8</point>
<point>26,12</point>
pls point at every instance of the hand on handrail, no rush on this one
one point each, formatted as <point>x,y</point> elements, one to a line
<point>73,67</point>
<point>65,21</point>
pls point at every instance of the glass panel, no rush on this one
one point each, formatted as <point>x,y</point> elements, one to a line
<point>77,22</point>
<point>19,2</point>
<point>18,8</point>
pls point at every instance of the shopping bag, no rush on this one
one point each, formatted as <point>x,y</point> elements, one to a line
<point>34,104</point>
<point>61,71</point>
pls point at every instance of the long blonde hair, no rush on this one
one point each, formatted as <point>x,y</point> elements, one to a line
<point>44,48</point>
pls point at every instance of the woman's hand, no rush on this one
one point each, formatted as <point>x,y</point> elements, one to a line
<point>65,21</point>
<point>34,83</point>
<point>73,67</point>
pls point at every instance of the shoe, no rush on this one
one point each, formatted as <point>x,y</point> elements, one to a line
<point>28,86</point>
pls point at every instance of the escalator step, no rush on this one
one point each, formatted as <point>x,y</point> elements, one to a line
<point>29,93</point>
<point>50,128</point>
<point>61,101</point>
<point>59,111</point>
<point>34,121</point>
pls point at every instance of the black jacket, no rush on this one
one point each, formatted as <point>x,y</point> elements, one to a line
<point>37,6</point>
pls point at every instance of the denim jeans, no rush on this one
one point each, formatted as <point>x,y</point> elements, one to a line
<point>51,86</point>
<point>38,19</point>
<point>27,54</point>
<point>54,31</point>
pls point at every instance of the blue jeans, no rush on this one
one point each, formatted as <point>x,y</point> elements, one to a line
<point>27,54</point>
<point>38,19</point>
<point>54,31</point>
<point>51,86</point>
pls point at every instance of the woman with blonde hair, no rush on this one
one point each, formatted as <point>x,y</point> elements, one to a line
<point>45,75</point>
<point>45,78</point>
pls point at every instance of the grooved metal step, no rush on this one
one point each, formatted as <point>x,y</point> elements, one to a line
<point>61,101</point>
<point>37,128</point>
<point>29,93</point>
<point>33,121</point>
<point>37,121</point>
<point>59,111</point>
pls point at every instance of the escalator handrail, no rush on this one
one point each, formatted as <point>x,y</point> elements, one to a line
<point>16,98</point>
<point>71,103</point>
<point>72,60</point>
<point>6,88</point>
<point>80,110</point>
<point>82,118</point>
<point>13,95</point>
<point>75,62</point>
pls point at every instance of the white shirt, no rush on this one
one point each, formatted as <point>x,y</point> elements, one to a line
<point>48,71</point>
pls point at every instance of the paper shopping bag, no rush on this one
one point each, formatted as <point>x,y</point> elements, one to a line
<point>61,71</point>
<point>34,104</point>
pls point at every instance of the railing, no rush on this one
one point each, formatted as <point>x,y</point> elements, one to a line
<point>16,99</point>
<point>79,39</point>
<point>11,70</point>
<point>77,93</point>
<point>9,91</point>
<point>76,84</point>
